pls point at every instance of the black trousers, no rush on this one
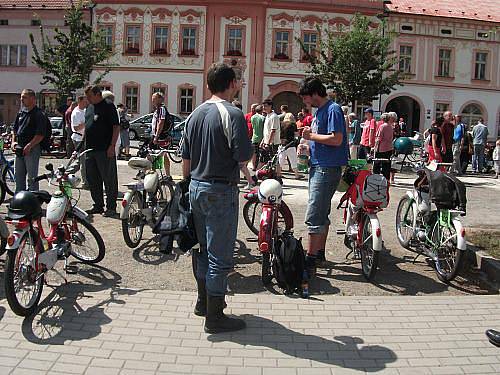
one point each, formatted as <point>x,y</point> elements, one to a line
<point>101,169</point>
<point>383,167</point>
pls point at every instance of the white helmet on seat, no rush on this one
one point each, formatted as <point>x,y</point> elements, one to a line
<point>270,191</point>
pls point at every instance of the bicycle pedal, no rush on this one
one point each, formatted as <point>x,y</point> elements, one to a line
<point>71,269</point>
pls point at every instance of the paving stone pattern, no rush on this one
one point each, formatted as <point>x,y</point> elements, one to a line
<point>125,331</point>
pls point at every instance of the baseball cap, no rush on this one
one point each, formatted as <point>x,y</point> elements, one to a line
<point>369,110</point>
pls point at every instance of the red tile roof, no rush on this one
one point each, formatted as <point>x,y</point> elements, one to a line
<point>35,4</point>
<point>482,10</point>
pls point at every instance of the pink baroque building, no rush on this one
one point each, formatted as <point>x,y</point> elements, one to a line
<point>19,18</point>
<point>449,50</point>
<point>168,46</point>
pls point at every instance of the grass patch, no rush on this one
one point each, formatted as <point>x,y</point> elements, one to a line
<point>488,241</point>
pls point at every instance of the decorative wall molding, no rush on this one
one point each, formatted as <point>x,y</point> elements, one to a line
<point>282,16</point>
<point>108,10</point>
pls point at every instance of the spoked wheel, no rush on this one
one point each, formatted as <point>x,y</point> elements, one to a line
<point>133,225</point>
<point>23,282</point>
<point>369,256</point>
<point>449,257</point>
<point>2,192</point>
<point>266,268</point>
<point>9,179</point>
<point>86,242</point>
<point>165,191</point>
<point>3,245</point>
<point>175,153</point>
<point>405,221</point>
<point>252,211</point>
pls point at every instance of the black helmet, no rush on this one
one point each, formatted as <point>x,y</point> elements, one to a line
<point>24,205</point>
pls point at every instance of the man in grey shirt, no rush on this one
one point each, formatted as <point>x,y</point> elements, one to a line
<point>480,135</point>
<point>216,141</point>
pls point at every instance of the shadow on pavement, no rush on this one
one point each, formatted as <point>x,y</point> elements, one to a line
<point>61,318</point>
<point>149,253</point>
<point>390,277</point>
<point>2,312</point>
<point>342,351</point>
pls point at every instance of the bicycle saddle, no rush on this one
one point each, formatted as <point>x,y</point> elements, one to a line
<point>139,163</point>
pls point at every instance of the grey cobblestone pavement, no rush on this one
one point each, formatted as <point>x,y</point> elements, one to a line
<point>126,331</point>
<point>132,314</point>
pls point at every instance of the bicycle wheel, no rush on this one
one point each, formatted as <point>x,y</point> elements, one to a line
<point>86,243</point>
<point>175,153</point>
<point>2,192</point>
<point>3,245</point>
<point>369,257</point>
<point>253,209</point>
<point>165,191</point>
<point>133,225</point>
<point>405,221</point>
<point>449,257</point>
<point>9,179</point>
<point>23,284</point>
<point>266,275</point>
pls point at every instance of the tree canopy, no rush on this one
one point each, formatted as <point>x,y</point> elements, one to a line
<point>358,64</point>
<point>70,55</point>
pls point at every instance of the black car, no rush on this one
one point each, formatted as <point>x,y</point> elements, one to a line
<point>140,128</point>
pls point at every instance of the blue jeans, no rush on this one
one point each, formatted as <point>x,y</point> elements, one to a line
<point>323,182</point>
<point>27,166</point>
<point>215,214</point>
<point>478,158</point>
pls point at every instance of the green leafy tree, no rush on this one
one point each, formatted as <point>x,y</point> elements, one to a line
<point>70,55</point>
<point>358,64</point>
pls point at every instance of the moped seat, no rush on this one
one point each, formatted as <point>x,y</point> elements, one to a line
<point>139,163</point>
<point>43,196</point>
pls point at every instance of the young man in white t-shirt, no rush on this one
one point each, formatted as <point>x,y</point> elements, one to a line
<point>78,129</point>
<point>271,139</point>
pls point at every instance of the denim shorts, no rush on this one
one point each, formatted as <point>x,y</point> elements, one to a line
<point>323,182</point>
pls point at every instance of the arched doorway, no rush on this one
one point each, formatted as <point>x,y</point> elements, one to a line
<point>407,108</point>
<point>291,99</point>
<point>471,114</point>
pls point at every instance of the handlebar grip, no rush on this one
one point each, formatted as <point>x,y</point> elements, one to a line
<point>41,177</point>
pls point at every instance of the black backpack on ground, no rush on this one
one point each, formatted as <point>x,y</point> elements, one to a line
<point>289,263</point>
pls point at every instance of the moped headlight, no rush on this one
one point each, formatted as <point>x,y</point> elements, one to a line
<point>74,181</point>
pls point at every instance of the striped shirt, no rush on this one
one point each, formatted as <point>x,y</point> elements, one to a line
<point>159,114</point>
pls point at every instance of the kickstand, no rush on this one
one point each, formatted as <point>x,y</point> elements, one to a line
<point>69,269</point>
<point>416,256</point>
<point>349,253</point>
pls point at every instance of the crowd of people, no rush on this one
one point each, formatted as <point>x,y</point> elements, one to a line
<point>219,142</point>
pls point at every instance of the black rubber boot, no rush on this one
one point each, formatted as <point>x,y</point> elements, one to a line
<point>201,302</point>
<point>310,266</point>
<point>216,321</point>
<point>493,336</point>
<point>320,257</point>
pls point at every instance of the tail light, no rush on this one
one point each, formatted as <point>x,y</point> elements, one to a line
<point>462,233</point>
<point>378,232</point>
<point>11,240</point>
<point>264,247</point>
<point>124,203</point>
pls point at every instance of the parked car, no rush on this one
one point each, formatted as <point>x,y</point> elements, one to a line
<point>57,125</point>
<point>140,128</point>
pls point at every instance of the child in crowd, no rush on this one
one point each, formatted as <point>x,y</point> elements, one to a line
<point>496,158</point>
